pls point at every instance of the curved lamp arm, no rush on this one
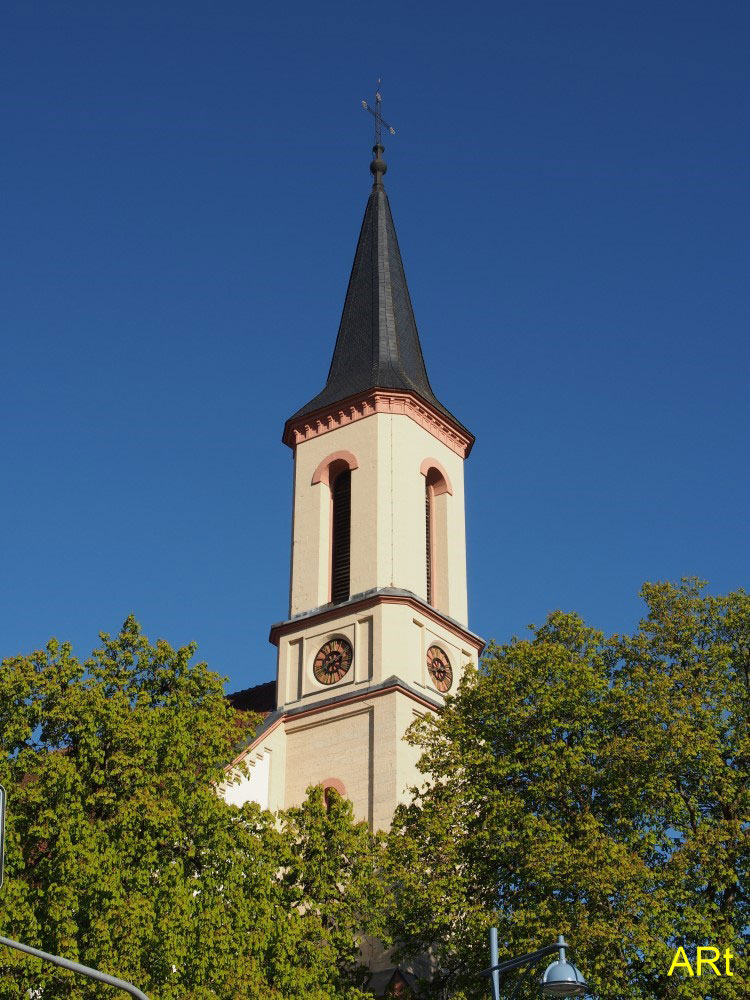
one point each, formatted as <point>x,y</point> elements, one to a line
<point>84,970</point>
<point>532,958</point>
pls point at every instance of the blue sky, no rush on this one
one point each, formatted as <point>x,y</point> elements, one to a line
<point>182,189</point>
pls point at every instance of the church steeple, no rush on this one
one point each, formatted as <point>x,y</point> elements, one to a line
<point>378,343</point>
<point>377,627</point>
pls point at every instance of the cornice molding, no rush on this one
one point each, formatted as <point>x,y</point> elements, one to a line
<point>330,612</point>
<point>303,711</point>
<point>365,404</point>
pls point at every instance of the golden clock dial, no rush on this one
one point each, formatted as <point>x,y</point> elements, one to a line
<point>332,661</point>
<point>439,667</point>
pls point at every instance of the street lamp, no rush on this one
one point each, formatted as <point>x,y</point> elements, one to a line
<point>561,978</point>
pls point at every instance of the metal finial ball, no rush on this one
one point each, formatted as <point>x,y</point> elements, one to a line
<point>378,165</point>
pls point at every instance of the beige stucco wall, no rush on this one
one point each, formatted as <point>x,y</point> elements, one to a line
<point>265,779</point>
<point>335,744</point>
<point>409,445</point>
<point>311,548</point>
<point>359,744</point>
<point>388,520</point>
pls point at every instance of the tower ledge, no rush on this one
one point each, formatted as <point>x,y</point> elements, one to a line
<point>365,404</point>
<point>368,599</point>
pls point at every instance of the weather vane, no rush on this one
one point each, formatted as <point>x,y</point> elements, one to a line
<point>379,120</point>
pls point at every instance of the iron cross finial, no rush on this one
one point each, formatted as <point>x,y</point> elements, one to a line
<point>379,120</point>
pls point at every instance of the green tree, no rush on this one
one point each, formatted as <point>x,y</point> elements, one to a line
<point>121,854</point>
<point>592,787</point>
<point>332,877</point>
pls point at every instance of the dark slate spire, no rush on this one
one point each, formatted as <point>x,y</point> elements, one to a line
<point>377,344</point>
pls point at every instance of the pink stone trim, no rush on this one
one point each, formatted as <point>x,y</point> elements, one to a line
<point>442,486</point>
<point>379,401</point>
<point>323,472</point>
<point>333,783</point>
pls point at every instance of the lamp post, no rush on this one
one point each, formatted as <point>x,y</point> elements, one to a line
<point>561,978</point>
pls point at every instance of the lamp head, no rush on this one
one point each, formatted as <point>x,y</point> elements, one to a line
<point>563,979</point>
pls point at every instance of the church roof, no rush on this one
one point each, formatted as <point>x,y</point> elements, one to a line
<point>261,698</point>
<point>377,344</point>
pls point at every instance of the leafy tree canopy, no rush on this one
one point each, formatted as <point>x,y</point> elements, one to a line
<point>591,786</point>
<point>120,853</point>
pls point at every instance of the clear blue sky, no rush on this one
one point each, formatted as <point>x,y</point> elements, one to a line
<point>182,188</point>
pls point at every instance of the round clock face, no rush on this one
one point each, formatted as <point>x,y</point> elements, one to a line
<point>332,661</point>
<point>440,668</point>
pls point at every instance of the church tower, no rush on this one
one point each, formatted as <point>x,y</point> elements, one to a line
<point>376,632</point>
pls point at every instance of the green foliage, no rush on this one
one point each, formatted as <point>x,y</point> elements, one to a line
<point>592,787</point>
<point>120,853</point>
<point>331,878</point>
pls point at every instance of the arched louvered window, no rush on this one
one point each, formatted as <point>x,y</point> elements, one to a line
<point>437,489</point>
<point>341,496</point>
<point>429,532</point>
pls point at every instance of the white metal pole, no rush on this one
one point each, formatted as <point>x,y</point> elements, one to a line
<point>494,960</point>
